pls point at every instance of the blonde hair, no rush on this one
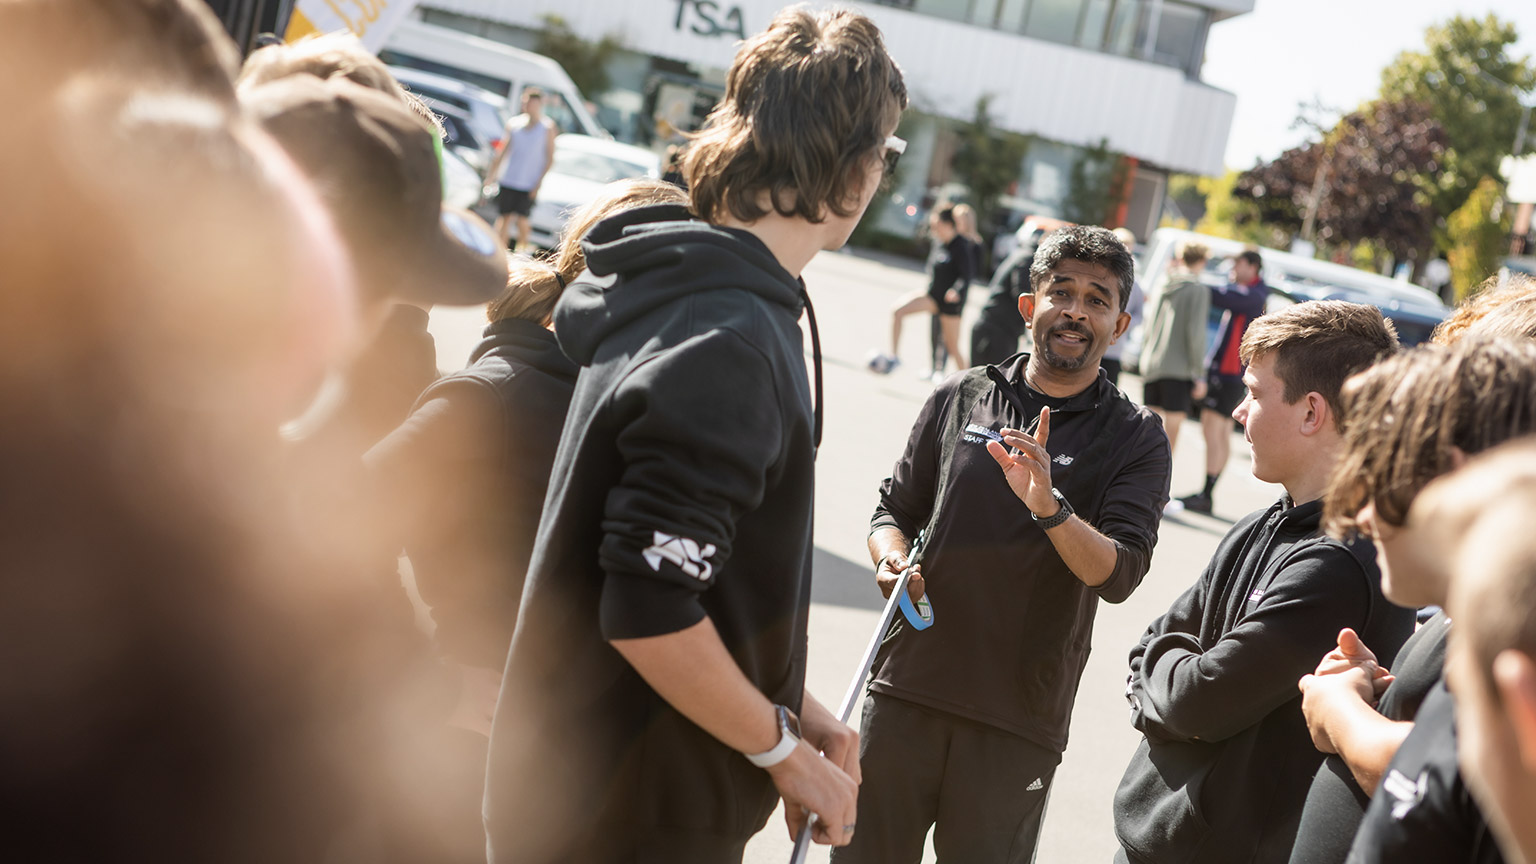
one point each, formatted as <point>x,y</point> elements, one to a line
<point>965,221</point>
<point>1493,311</point>
<point>534,285</point>
<point>1191,252</point>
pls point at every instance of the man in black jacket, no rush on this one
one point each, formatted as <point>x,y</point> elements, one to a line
<point>966,721</point>
<point>1224,768</point>
<point>648,711</point>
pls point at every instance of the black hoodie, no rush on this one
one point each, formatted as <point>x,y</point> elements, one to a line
<point>468,471</point>
<point>1224,768</point>
<point>682,489</point>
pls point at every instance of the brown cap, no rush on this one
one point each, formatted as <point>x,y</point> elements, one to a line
<point>376,166</point>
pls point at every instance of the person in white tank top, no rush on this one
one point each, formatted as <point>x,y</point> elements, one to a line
<point>519,169</point>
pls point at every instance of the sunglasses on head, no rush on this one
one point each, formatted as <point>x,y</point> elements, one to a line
<point>894,147</point>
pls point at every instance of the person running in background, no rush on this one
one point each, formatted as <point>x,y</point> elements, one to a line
<point>1172,353</point>
<point>1241,301</point>
<point>519,169</point>
<point>965,223</point>
<point>1133,307</point>
<point>951,269</point>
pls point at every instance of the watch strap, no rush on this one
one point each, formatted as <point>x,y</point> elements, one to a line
<point>788,740</point>
<point>1058,517</point>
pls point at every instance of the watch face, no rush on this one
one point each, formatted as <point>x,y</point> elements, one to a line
<point>788,720</point>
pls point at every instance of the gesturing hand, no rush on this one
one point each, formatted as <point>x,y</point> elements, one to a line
<point>1029,472</point>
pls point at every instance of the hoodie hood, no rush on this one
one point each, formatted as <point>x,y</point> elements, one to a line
<point>526,342</point>
<point>646,257</point>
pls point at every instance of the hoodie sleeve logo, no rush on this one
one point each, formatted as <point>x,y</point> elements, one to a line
<point>684,553</point>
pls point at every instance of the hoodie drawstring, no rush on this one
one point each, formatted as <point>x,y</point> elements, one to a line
<point>810,312</point>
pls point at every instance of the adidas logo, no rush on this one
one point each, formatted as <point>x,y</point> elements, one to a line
<point>1035,786</point>
<point>1406,793</point>
<point>682,552</point>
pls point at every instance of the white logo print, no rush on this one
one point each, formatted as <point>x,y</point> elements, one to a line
<point>1405,793</point>
<point>1035,786</point>
<point>1256,596</point>
<point>978,434</point>
<point>682,552</point>
<point>1063,460</point>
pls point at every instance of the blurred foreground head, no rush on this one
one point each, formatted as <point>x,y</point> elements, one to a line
<point>198,680</point>
<point>1414,417</point>
<point>376,165</point>
<point>168,44</point>
<point>1495,310</point>
<point>1485,511</point>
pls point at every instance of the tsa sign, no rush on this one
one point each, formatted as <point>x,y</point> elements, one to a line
<point>368,20</point>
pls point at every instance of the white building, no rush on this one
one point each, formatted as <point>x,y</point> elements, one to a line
<point>1069,73</point>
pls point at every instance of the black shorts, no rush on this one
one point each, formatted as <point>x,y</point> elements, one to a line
<point>510,200</point>
<point>1170,394</point>
<point>946,308</point>
<point>1223,394</point>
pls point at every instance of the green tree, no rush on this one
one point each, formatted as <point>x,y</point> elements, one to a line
<point>1458,76</point>
<point>1236,217</point>
<point>1476,230</point>
<point>1378,165</point>
<point>1095,185</point>
<point>586,62</point>
<point>988,159</point>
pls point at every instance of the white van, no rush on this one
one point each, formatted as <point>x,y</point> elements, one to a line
<point>493,66</point>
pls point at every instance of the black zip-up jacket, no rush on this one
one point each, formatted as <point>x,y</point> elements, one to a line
<point>1224,766</point>
<point>1012,625</point>
<point>682,489</point>
<point>467,472</point>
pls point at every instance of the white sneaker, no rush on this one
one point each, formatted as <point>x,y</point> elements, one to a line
<point>882,364</point>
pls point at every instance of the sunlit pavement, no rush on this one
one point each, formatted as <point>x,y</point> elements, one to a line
<point>867,421</point>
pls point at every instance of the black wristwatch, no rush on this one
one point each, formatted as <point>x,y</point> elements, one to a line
<point>1061,515</point>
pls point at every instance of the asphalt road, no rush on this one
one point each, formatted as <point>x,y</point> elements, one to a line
<point>867,421</point>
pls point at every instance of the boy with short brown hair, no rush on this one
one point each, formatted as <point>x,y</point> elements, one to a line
<point>1224,767</point>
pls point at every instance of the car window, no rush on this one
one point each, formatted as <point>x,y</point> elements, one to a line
<point>444,96</point>
<point>456,133</point>
<point>595,167</point>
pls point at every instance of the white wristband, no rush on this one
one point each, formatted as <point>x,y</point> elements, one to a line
<point>780,752</point>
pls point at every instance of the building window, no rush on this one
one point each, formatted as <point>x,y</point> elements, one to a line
<point>1054,20</point>
<point>1095,29</point>
<point>1180,37</point>
<point>952,10</point>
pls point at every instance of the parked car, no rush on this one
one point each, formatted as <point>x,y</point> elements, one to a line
<point>459,136</point>
<point>487,112</point>
<point>582,166</point>
<point>1413,310</point>
<point>462,187</point>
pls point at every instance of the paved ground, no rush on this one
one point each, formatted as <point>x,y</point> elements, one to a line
<point>867,420</point>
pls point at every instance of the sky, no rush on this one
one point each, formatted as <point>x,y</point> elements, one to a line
<point>1286,52</point>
